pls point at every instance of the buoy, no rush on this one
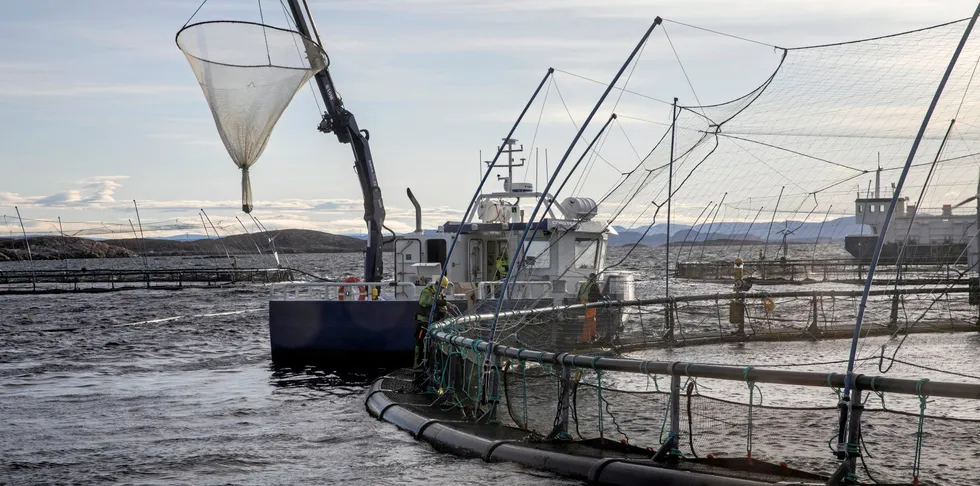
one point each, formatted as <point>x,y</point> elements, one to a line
<point>783,464</point>
<point>711,456</point>
<point>768,303</point>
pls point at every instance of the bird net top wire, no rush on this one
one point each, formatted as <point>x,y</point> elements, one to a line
<point>249,73</point>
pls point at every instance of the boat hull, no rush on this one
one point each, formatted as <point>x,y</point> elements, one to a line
<point>347,335</point>
<point>861,247</point>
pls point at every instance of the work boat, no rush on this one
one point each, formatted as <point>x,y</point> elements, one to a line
<point>914,236</point>
<point>373,323</point>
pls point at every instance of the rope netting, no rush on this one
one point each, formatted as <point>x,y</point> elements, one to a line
<point>769,178</point>
<point>249,73</point>
<point>627,415</point>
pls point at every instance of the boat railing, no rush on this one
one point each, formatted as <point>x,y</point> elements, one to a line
<point>526,289</point>
<point>347,291</point>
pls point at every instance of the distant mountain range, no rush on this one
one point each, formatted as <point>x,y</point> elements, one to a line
<point>799,232</point>
<point>284,241</point>
<point>309,241</point>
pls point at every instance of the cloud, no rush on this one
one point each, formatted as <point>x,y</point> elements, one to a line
<point>60,199</point>
<point>32,90</point>
<point>339,205</point>
<point>103,192</point>
<point>93,192</point>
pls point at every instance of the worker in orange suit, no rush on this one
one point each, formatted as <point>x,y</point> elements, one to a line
<point>587,294</point>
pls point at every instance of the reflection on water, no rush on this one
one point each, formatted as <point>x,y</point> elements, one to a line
<point>321,381</point>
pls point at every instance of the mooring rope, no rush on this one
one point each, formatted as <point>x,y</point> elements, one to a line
<point>598,376</point>
<point>524,384</point>
<point>752,389</point>
<point>916,463</point>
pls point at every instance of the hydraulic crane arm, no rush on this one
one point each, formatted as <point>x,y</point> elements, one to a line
<point>340,122</point>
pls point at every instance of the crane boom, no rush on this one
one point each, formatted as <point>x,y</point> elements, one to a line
<point>340,122</point>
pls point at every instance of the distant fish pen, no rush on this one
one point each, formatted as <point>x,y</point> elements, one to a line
<point>108,280</point>
<point>845,271</point>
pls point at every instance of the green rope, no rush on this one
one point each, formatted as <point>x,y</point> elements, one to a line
<point>881,395</point>
<point>663,425</point>
<point>752,389</point>
<point>916,463</point>
<point>598,376</point>
<point>524,382</point>
<point>836,390</point>
<point>692,379</point>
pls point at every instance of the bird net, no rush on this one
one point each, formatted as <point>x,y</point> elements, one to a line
<point>249,73</point>
<point>776,178</point>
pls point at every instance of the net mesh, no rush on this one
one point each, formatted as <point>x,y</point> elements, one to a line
<point>768,178</point>
<point>249,73</point>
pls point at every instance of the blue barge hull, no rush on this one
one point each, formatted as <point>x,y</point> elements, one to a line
<point>346,334</point>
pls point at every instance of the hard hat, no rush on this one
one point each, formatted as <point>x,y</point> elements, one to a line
<point>445,282</point>
<point>738,261</point>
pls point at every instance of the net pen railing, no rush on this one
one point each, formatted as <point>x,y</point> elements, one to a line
<point>746,418</point>
<point>705,318</point>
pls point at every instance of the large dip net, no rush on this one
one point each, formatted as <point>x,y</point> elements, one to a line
<point>776,179</point>
<point>249,73</point>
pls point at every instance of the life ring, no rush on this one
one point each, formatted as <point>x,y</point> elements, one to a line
<point>341,291</point>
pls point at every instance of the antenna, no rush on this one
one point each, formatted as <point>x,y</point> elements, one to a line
<point>878,178</point>
<point>510,151</point>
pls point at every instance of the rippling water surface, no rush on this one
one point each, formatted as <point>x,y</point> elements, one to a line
<point>161,386</point>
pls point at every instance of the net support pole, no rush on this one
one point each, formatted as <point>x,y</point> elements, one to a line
<point>554,176</point>
<point>879,243</point>
<point>566,396</point>
<point>765,248</point>
<point>27,243</point>
<point>848,467</point>
<point>673,433</point>
<point>895,195</point>
<point>518,262</point>
<point>479,188</point>
<point>670,196</point>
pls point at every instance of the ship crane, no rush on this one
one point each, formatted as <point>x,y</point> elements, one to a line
<point>341,122</point>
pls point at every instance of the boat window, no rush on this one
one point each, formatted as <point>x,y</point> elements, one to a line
<point>881,208</point>
<point>435,251</point>
<point>860,208</point>
<point>871,207</point>
<point>539,254</point>
<point>585,253</point>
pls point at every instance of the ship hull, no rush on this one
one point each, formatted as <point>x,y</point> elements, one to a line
<point>343,335</point>
<point>861,247</point>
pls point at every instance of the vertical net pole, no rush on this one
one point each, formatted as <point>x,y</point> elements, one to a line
<point>879,243</point>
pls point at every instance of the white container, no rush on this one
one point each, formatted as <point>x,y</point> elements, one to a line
<point>620,286</point>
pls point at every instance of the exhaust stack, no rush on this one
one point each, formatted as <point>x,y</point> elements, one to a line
<point>418,211</point>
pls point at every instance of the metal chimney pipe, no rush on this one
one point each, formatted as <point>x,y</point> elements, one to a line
<point>418,211</point>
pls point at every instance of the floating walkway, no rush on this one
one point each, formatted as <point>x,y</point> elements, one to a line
<point>108,280</point>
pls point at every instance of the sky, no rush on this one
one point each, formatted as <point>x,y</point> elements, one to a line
<point>101,108</point>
